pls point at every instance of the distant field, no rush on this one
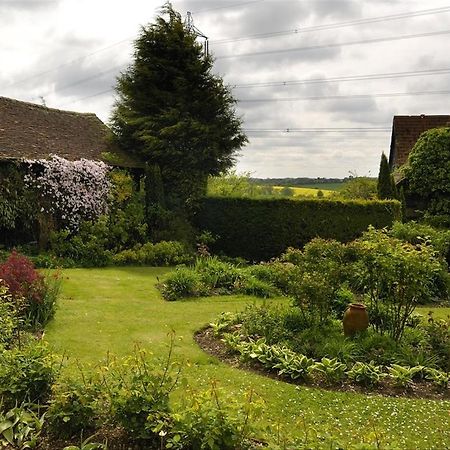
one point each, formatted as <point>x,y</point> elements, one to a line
<point>322,186</point>
<point>306,191</point>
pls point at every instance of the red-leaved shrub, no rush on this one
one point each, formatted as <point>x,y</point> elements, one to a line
<point>22,279</point>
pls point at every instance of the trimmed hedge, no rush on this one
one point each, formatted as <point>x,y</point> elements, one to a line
<point>259,229</point>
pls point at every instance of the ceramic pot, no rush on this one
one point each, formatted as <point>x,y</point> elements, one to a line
<point>355,319</point>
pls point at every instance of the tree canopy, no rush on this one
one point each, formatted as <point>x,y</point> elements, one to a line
<point>428,169</point>
<point>172,110</point>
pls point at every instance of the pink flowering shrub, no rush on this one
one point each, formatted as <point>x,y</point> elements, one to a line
<point>70,191</point>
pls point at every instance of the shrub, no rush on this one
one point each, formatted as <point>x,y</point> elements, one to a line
<point>9,318</point>
<point>22,279</point>
<point>266,321</point>
<point>438,331</point>
<point>211,420</point>
<point>26,374</point>
<point>71,191</point>
<point>87,246</point>
<point>75,405</point>
<point>428,169</point>
<point>396,276</point>
<point>34,294</point>
<point>164,253</point>
<point>183,282</point>
<point>259,229</point>
<point>139,395</point>
<point>258,288</point>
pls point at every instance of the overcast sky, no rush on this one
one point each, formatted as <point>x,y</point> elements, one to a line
<point>286,60</point>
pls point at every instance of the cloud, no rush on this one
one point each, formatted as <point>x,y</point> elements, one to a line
<point>27,5</point>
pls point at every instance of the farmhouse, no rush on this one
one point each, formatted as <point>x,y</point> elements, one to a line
<point>30,131</point>
<point>405,133</point>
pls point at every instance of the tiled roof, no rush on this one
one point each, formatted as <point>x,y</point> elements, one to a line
<point>33,131</point>
<point>405,132</point>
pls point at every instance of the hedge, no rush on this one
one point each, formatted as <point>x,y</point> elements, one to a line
<point>259,229</point>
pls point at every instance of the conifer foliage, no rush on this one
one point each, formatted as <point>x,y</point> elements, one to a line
<point>386,185</point>
<point>174,113</point>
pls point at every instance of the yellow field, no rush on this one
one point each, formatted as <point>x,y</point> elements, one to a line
<point>306,192</point>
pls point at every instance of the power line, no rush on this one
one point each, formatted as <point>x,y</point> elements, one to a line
<point>342,97</point>
<point>234,5</point>
<point>319,130</point>
<point>98,94</point>
<point>335,45</point>
<point>334,25</point>
<point>376,76</point>
<point>68,63</point>
<point>309,29</point>
<point>84,80</point>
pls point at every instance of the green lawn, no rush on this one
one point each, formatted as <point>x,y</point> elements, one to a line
<point>112,309</point>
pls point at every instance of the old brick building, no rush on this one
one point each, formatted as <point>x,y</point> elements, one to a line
<point>405,132</point>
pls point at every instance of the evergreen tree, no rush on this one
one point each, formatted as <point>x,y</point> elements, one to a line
<point>173,112</point>
<point>155,213</point>
<point>402,200</point>
<point>385,181</point>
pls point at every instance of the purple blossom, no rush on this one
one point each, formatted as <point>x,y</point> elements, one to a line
<point>72,191</point>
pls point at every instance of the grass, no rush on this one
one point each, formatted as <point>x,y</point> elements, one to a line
<point>438,313</point>
<point>322,186</point>
<point>306,191</point>
<point>111,309</point>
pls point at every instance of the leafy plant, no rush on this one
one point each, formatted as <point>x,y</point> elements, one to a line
<point>402,376</point>
<point>396,276</point>
<point>26,374</point>
<point>213,421</point>
<point>74,405</point>
<point>20,428</point>
<point>438,377</point>
<point>294,365</point>
<point>33,293</point>
<point>332,369</point>
<point>223,323</point>
<point>183,282</point>
<point>367,374</point>
<point>9,318</point>
<point>87,444</point>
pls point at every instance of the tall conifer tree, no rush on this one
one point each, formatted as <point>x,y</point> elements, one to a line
<point>173,112</point>
<point>385,181</point>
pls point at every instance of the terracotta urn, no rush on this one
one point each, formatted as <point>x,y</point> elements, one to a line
<point>355,319</point>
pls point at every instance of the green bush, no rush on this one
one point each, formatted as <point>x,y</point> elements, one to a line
<point>210,275</point>
<point>396,276</point>
<point>259,229</point>
<point>26,374</point>
<point>183,282</point>
<point>258,288</point>
<point>87,247</point>
<point>420,233</point>
<point>75,405</point>
<point>427,171</point>
<point>211,420</point>
<point>164,253</point>
<point>9,318</point>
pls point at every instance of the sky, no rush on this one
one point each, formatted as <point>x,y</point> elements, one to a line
<point>317,82</point>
